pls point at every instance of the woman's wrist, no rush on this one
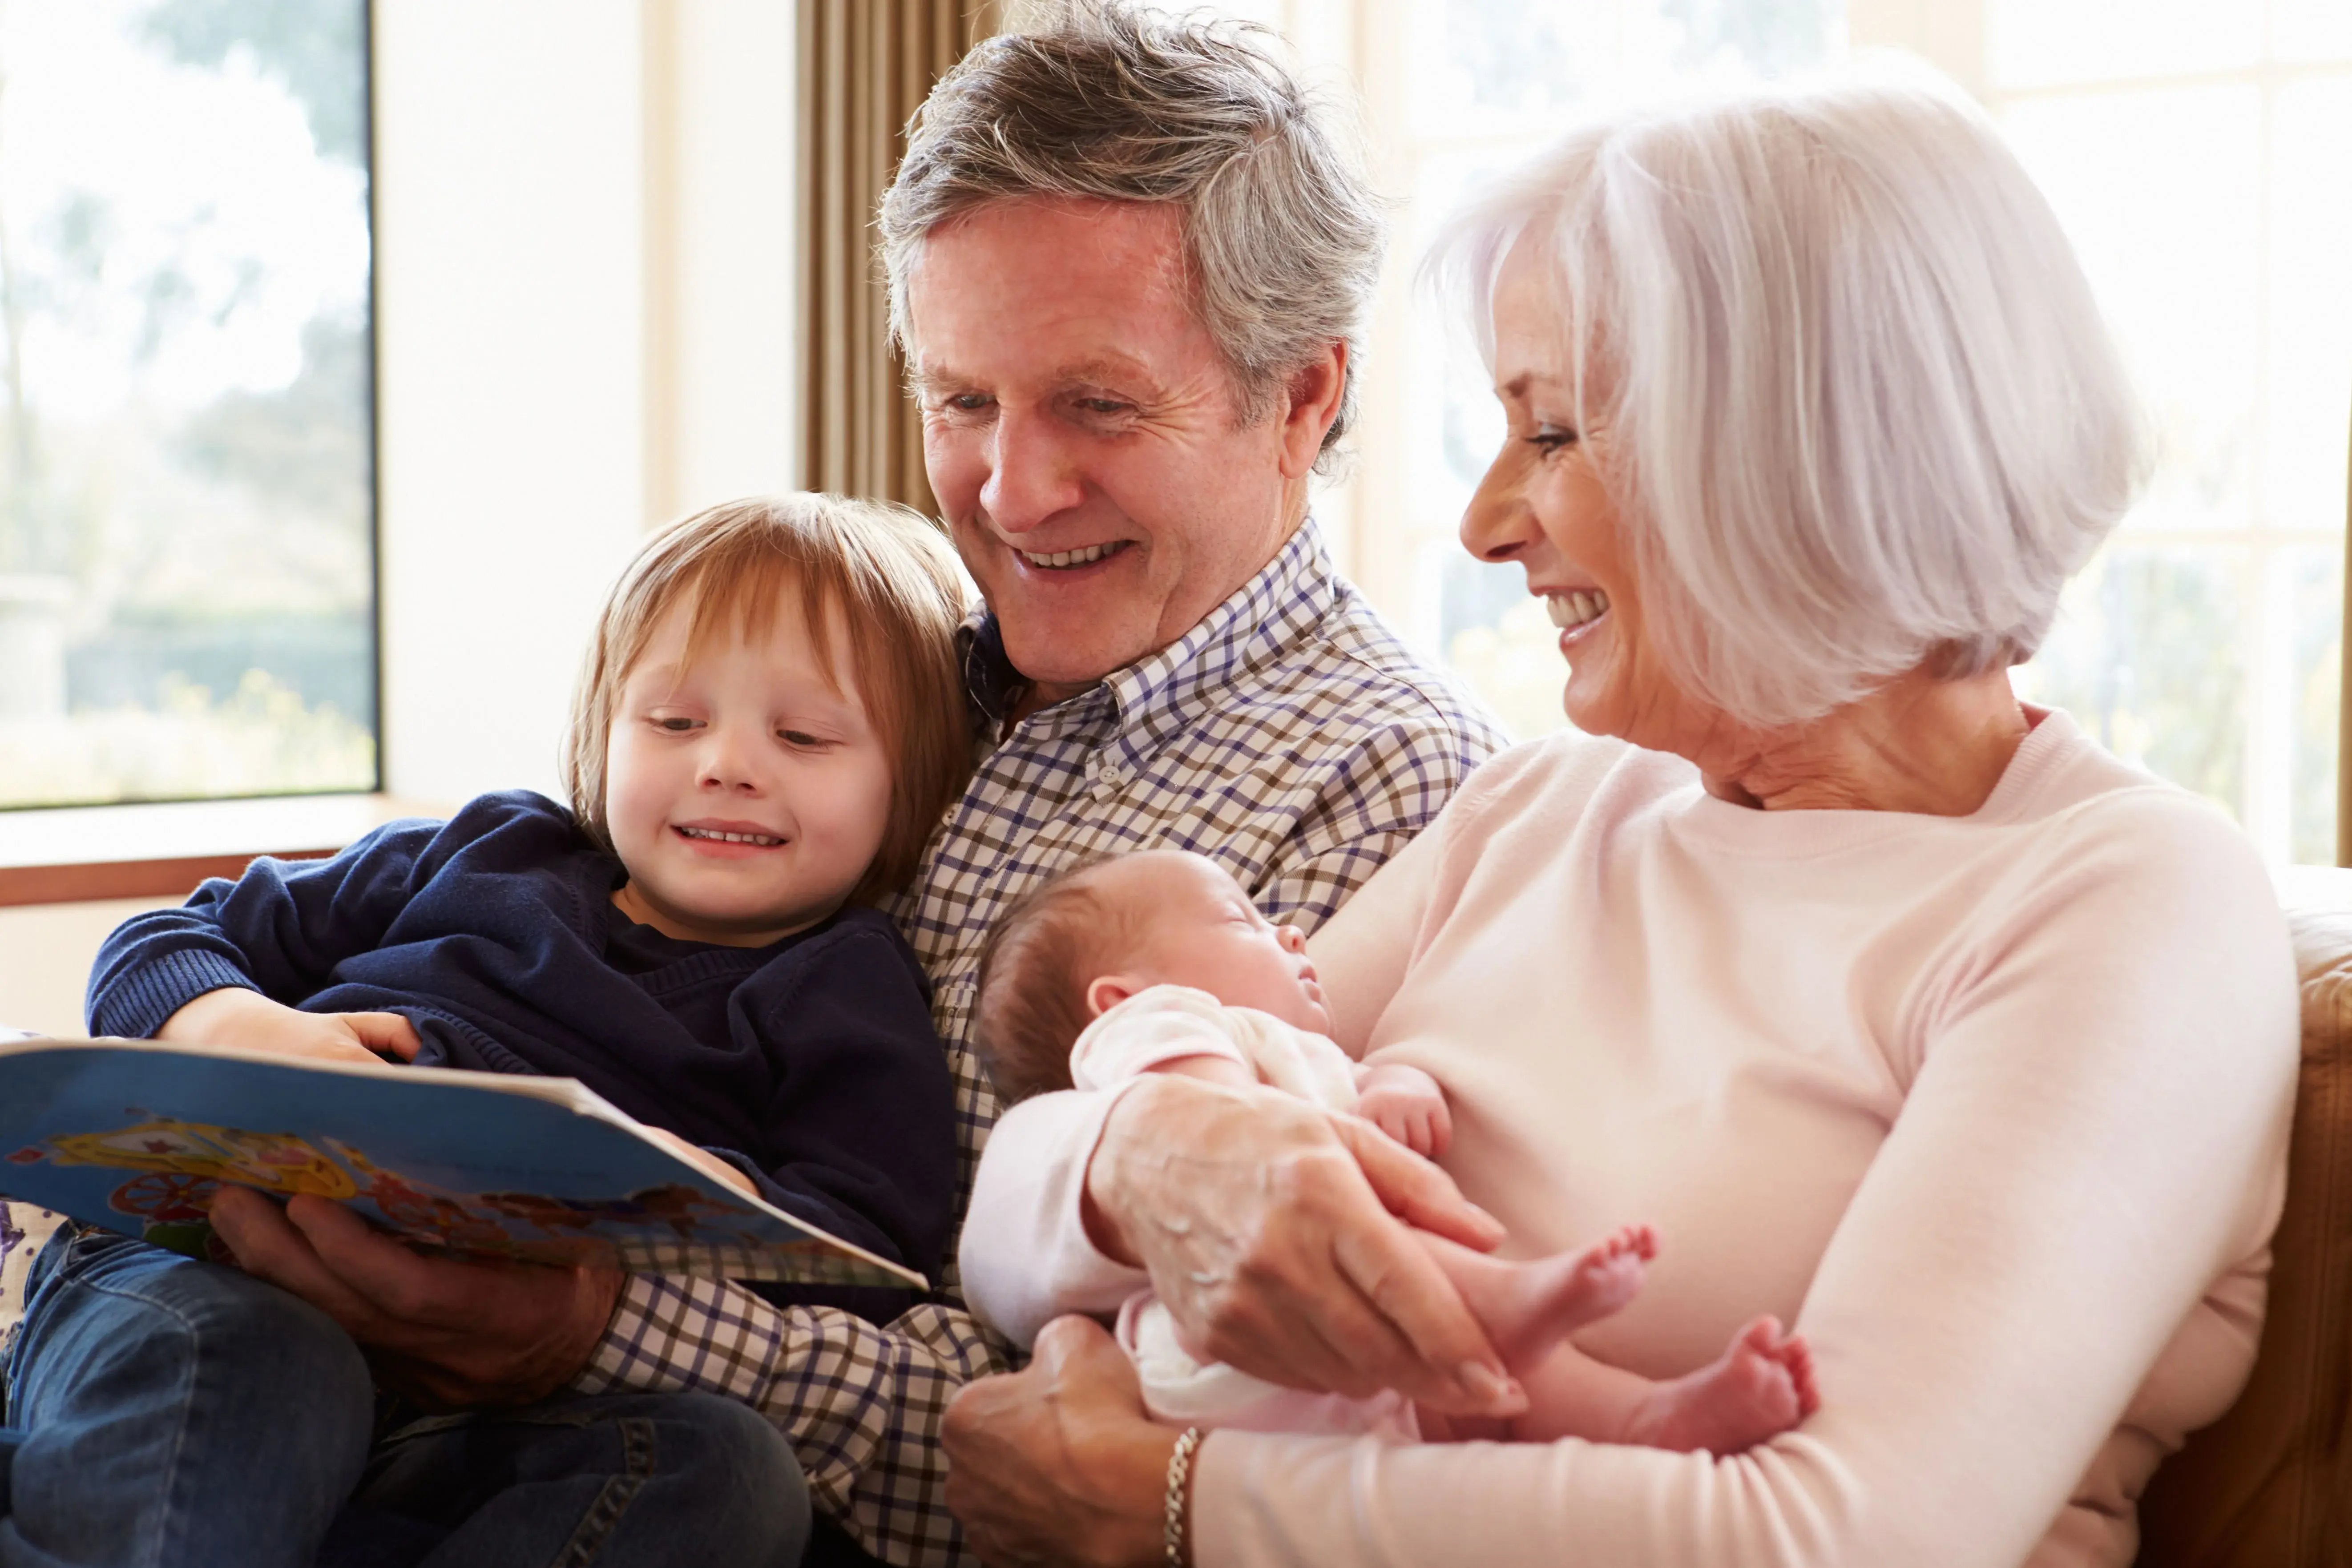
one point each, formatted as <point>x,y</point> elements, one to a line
<point>1101,1204</point>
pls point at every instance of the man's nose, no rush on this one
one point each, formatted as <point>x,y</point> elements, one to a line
<point>1032,473</point>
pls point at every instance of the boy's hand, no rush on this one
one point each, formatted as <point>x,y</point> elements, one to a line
<point>702,1160</point>
<point>1406,1104</point>
<point>252,1021</point>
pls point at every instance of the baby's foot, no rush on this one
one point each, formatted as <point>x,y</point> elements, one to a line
<point>1547,1298</point>
<point>1761,1387</point>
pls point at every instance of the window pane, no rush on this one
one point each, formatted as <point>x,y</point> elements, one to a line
<point>2034,42</point>
<point>2310,384</point>
<point>2158,192</point>
<point>186,512</point>
<point>2315,576</point>
<point>2311,30</point>
<point>2147,655</point>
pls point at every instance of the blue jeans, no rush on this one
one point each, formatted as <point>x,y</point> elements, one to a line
<point>169,1414</point>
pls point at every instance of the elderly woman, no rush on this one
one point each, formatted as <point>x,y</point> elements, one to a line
<point>1898,1006</point>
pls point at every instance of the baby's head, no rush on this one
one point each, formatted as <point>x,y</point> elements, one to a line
<point>1108,928</point>
<point>772,717</point>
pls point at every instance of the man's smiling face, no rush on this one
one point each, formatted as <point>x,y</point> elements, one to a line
<point>1083,437</point>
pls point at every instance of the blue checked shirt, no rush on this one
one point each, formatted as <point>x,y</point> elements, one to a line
<point>1290,737</point>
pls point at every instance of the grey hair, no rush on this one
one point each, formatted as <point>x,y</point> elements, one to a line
<point>1282,233</point>
<point>1853,397</point>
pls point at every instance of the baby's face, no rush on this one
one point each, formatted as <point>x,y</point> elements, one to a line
<point>1201,930</point>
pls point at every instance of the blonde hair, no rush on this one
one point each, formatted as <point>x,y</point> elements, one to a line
<point>874,580</point>
<point>1851,393</point>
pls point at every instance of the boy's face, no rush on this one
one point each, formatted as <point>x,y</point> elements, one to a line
<point>1201,930</point>
<point>745,795</point>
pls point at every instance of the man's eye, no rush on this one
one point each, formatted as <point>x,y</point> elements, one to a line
<point>1102,405</point>
<point>1552,437</point>
<point>968,402</point>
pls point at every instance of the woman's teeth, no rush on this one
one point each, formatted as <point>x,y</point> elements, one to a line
<point>1569,610</point>
<point>763,840</point>
<point>1092,553</point>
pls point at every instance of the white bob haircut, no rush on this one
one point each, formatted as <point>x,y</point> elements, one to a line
<point>1849,390</point>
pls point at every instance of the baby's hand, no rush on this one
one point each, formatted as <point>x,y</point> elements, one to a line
<point>1406,1104</point>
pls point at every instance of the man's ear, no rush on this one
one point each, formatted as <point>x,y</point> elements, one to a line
<point>1315,389</point>
<point>1108,991</point>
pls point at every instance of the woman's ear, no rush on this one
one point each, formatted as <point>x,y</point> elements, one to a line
<point>1108,991</point>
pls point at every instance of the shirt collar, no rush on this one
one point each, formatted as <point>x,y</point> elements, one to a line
<point>1158,695</point>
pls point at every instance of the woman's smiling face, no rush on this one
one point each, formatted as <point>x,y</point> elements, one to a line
<point>1542,506</point>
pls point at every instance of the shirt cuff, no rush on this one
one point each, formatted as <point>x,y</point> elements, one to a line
<point>143,1001</point>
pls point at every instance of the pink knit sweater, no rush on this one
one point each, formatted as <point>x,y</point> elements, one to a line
<point>1993,1107</point>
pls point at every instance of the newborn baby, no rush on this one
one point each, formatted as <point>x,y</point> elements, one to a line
<point>1157,962</point>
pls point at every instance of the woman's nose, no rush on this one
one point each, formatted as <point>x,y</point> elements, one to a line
<point>1031,476</point>
<point>1496,526</point>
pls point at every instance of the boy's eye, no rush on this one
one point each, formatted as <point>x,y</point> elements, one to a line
<point>673,725</point>
<point>799,738</point>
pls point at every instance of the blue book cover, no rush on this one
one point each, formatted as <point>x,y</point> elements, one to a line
<point>137,1135</point>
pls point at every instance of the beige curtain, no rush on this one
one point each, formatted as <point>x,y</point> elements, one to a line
<point>865,65</point>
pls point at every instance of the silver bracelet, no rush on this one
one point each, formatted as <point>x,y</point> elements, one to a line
<point>1179,1474</point>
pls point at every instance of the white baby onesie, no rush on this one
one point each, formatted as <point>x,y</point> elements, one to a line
<point>1163,1025</point>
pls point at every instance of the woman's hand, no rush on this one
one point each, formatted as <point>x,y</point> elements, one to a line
<point>1058,1463</point>
<point>1277,1235</point>
<point>249,1021</point>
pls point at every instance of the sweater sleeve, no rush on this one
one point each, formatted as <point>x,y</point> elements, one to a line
<point>2095,1130</point>
<point>280,928</point>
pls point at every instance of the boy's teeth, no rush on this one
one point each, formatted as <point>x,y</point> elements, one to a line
<point>1574,609</point>
<point>1074,557</point>
<point>760,838</point>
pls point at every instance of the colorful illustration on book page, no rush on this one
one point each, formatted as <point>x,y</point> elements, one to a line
<point>181,1165</point>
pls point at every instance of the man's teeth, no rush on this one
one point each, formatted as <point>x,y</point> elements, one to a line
<point>1075,557</point>
<point>760,838</point>
<point>1575,609</point>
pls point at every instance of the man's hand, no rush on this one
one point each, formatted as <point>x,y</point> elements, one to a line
<point>1276,1235</point>
<point>1406,1103</point>
<point>1058,1463</point>
<point>448,1334</point>
<point>250,1021</point>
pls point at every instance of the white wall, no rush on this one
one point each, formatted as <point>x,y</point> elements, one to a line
<point>583,240</point>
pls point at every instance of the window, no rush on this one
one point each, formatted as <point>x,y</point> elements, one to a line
<point>2201,157</point>
<point>186,431</point>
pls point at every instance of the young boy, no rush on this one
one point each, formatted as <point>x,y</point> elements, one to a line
<point>1157,962</point>
<point>768,722</point>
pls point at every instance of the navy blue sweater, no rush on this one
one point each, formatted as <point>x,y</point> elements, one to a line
<point>812,1062</point>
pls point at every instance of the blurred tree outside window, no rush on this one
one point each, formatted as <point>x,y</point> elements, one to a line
<point>186,422</point>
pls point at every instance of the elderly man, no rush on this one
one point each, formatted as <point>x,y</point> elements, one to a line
<point>1130,273</point>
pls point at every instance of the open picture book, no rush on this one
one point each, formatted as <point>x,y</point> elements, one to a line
<point>138,1136</point>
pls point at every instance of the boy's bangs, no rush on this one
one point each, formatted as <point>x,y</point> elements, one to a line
<point>736,593</point>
